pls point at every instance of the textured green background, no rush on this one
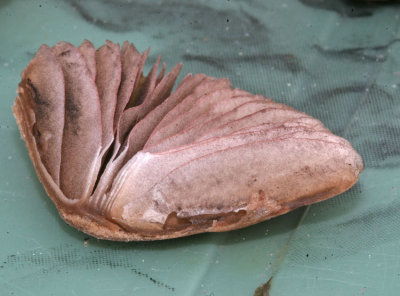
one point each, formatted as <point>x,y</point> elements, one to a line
<point>336,60</point>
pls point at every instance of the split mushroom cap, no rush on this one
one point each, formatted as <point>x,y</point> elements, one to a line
<point>124,157</point>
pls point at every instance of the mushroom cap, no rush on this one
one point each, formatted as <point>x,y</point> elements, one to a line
<point>124,157</point>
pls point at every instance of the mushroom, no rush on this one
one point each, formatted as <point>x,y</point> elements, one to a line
<point>123,157</point>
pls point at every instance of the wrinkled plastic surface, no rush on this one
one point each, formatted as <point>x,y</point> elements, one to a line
<point>336,60</point>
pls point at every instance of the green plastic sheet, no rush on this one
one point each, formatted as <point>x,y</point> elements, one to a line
<point>338,61</point>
